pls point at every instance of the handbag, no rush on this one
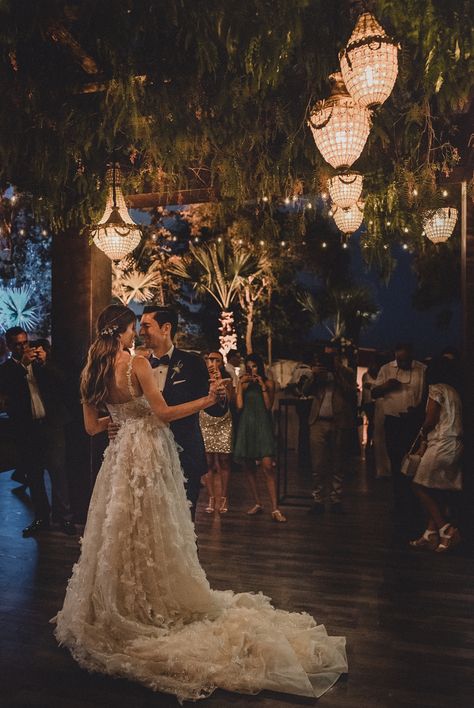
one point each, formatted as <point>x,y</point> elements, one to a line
<point>411,460</point>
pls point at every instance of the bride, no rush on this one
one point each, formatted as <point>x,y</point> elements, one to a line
<point>138,604</point>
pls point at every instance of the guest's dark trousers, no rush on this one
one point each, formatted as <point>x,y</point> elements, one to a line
<point>400,432</point>
<point>41,447</point>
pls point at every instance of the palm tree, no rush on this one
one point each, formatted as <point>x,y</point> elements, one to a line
<point>17,308</point>
<point>129,283</point>
<point>343,311</point>
<point>220,270</point>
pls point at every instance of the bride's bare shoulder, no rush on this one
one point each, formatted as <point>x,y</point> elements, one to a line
<point>141,362</point>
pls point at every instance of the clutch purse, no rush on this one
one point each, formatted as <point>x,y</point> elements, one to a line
<point>411,460</point>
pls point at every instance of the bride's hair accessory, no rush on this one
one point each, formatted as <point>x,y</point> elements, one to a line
<point>108,331</point>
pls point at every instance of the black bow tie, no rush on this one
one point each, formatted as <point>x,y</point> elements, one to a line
<point>159,360</point>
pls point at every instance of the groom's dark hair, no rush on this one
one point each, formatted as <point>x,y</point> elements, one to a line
<point>163,315</point>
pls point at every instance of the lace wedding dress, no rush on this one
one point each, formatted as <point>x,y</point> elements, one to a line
<point>139,605</point>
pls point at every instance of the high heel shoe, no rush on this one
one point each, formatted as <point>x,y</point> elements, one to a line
<point>211,505</point>
<point>257,509</point>
<point>223,509</point>
<point>448,540</point>
<point>278,516</point>
<point>429,541</point>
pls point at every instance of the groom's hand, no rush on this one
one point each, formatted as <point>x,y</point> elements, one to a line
<point>112,429</point>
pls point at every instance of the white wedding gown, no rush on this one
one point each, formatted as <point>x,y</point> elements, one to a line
<point>139,605</point>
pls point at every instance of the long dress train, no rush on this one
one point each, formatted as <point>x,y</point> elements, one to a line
<point>139,605</point>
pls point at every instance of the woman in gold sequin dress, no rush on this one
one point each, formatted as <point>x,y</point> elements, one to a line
<point>216,427</point>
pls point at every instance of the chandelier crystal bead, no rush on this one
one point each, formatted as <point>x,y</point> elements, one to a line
<point>369,62</point>
<point>439,224</point>
<point>340,125</point>
<point>116,234</point>
<point>349,220</point>
<point>345,189</point>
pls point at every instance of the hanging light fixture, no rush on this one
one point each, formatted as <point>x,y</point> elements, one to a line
<point>340,125</point>
<point>348,220</point>
<point>116,234</point>
<point>439,224</point>
<point>345,189</point>
<point>369,62</point>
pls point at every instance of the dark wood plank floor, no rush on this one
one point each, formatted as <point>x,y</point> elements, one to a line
<point>408,617</point>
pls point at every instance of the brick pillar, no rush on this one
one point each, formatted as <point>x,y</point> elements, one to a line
<point>81,288</point>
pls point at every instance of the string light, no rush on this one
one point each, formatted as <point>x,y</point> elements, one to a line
<point>44,232</point>
<point>405,229</point>
<point>21,232</point>
<point>196,239</point>
<point>389,223</point>
<point>415,192</point>
<point>287,200</point>
<point>262,243</point>
<point>264,199</point>
<point>324,195</point>
<point>405,246</point>
<point>309,205</point>
<point>219,239</point>
<point>282,243</point>
<point>324,244</point>
<point>445,192</point>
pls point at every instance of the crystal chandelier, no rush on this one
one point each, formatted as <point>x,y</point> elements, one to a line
<point>345,189</point>
<point>439,224</point>
<point>369,62</point>
<point>348,220</point>
<point>340,125</point>
<point>116,234</point>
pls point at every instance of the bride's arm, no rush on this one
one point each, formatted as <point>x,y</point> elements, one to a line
<point>92,423</point>
<point>160,408</point>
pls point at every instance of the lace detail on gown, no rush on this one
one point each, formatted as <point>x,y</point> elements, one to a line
<point>139,605</point>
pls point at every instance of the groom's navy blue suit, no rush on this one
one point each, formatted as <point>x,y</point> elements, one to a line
<point>186,380</point>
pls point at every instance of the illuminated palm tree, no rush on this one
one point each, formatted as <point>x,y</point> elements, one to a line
<point>17,310</point>
<point>220,270</point>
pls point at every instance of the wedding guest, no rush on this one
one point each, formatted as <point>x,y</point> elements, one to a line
<point>332,422</point>
<point>254,440</point>
<point>33,389</point>
<point>368,404</point>
<point>234,362</point>
<point>401,386</point>
<point>439,472</point>
<point>216,428</point>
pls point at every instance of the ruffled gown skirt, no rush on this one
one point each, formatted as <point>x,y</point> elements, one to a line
<point>138,604</point>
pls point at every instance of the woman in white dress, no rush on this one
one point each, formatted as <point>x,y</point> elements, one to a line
<point>138,604</point>
<point>439,471</point>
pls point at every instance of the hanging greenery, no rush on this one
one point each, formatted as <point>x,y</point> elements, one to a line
<point>217,98</point>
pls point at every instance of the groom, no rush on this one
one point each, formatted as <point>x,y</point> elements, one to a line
<point>181,377</point>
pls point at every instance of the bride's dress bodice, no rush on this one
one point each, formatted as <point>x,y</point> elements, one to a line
<point>135,409</point>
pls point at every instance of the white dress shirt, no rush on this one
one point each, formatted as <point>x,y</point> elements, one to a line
<point>37,407</point>
<point>161,371</point>
<point>410,393</point>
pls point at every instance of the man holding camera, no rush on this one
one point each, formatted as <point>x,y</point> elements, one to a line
<point>332,420</point>
<point>32,390</point>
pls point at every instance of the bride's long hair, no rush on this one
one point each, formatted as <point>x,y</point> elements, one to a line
<point>98,372</point>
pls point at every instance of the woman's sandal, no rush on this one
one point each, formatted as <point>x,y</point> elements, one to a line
<point>278,516</point>
<point>428,541</point>
<point>211,505</point>
<point>257,509</point>
<point>223,509</point>
<point>448,540</point>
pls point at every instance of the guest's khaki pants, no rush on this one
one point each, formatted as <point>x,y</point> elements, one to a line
<point>330,447</point>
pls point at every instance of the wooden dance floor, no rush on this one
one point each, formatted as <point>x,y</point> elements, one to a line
<point>407,616</point>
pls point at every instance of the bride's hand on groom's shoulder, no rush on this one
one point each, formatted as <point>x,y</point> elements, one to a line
<point>112,429</point>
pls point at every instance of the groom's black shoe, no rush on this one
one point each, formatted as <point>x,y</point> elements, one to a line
<point>36,527</point>
<point>68,528</point>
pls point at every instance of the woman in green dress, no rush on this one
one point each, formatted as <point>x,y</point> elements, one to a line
<point>255,441</point>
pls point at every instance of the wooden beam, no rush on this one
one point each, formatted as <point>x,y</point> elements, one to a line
<point>164,198</point>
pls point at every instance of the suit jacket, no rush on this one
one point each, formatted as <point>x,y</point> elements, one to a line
<point>186,380</point>
<point>14,386</point>
<point>344,397</point>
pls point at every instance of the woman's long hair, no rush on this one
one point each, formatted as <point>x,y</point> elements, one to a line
<point>257,359</point>
<point>98,372</point>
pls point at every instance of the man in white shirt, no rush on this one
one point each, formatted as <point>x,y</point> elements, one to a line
<point>401,383</point>
<point>234,362</point>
